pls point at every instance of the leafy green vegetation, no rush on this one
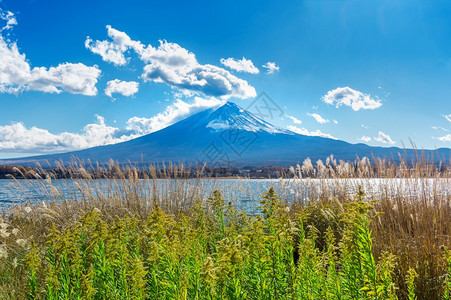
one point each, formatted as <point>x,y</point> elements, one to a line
<point>214,253</point>
<point>128,241</point>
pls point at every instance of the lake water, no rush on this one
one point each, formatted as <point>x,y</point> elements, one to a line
<point>245,193</point>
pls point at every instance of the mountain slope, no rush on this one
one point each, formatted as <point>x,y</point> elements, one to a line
<point>224,136</point>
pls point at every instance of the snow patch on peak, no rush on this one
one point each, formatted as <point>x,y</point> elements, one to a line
<point>231,115</point>
<point>218,125</point>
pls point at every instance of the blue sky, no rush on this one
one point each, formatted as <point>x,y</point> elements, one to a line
<point>76,74</point>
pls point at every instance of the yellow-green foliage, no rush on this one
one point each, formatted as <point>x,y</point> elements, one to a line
<point>447,259</point>
<point>211,251</point>
<point>122,237</point>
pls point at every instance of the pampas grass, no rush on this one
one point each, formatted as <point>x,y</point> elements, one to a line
<point>334,230</point>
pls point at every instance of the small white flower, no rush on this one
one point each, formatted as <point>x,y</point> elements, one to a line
<point>27,209</point>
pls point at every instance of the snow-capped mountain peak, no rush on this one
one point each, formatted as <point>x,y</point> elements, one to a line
<point>204,138</point>
<point>230,115</point>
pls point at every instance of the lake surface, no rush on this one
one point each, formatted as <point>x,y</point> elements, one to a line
<point>245,193</point>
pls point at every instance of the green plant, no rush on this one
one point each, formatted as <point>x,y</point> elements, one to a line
<point>123,237</point>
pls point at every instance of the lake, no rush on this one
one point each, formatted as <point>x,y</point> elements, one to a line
<point>245,193</point>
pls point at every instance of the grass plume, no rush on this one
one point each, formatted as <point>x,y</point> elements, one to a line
<point>164,237</point>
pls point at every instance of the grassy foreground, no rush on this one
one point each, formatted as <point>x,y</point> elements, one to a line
<point>134,242</point>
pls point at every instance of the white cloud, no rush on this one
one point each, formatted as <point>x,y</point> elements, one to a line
<point>318,118</point>
<point>352,98</point>
<point>310,133</point>
<point>241,65</point>
<point>174,65</point>
<point>446,138</point>
<point>365,139</point>
<point>113,51</point>
<point>68,77</point>
<point>364,126</point>
<point>125,88</point>
<point>384,138</point>
<point>202,79</point>
<point>16,74</point>
<point>271,67</point>
<point>295,120</point>
<point>17,137</point>
<point>9,18</point>
<point>439,127</point>
<point>335,121</point>
<point>172,114</point>
<point>447,117</point>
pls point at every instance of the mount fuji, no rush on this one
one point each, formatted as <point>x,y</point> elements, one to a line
<point>225,136</point>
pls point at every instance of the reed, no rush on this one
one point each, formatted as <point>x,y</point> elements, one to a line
<point>335,230</point>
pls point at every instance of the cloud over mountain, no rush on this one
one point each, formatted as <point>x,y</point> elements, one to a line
<point>365,139</point>
<point>445,138</point>
<point>19,138</point>
<point>294,119</point>
<point>173,113</point>
<point>384,138</point>
<point>318,118</point>
<point>304,131</point>
<point>173,65</point>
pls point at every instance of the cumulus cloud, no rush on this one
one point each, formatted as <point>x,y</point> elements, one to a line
<point>9,19</point>
<point>295,120</point>
<point>384,138</point>
<point>304,131</point>
<point>68,77</point>
<point>174,65</point>
<point>208,80</point>
<point>352,98</point>
<point>17,137</point>
<point>318,118</point>
<point>446,138</point>
<point>113,51</point>
<point>16,74</point>
<point>447,117</point>
<point>172,114</point>
<point>271,67</point>
<point>241,65</point>
<point>125,88</point>
<point>365,139</point>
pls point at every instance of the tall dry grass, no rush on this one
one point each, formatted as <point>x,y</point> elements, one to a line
<point>412,200</point>
<point>411,209</point>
